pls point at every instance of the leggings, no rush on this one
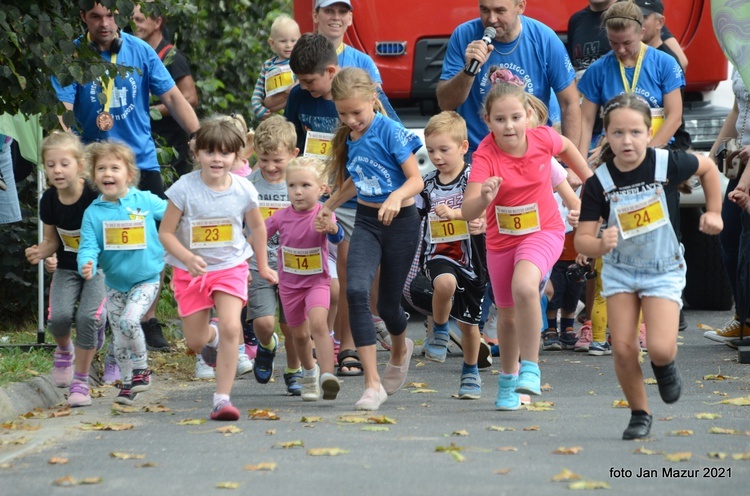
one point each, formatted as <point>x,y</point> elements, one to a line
<point>125,313</point>
<point>392,248</point>
<point>67,289</point>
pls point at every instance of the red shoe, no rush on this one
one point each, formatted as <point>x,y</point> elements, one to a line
<point>225,411</point>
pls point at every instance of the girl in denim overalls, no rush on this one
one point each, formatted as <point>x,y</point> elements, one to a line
<point>643,266</point>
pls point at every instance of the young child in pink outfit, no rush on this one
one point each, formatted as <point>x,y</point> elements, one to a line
<point>304,278</point>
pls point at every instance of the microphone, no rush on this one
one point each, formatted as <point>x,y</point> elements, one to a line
<point>473,68</point>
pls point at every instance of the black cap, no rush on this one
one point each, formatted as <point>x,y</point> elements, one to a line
<point>650,6</point>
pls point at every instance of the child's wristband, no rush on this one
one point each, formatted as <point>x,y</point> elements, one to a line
<point>338,237</point>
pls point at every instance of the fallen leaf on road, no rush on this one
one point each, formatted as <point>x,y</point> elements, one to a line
<point>500,428</point>
<point>420,363</point>
<point>352,419</point>
<point>460,433</point>
<point>644,451</point>
<point>20,425</point>
<point>650,380</point>
<point>118,408</point>
<point>192,421</point>
<point>269,466</point>
<point>566,476</point>
<point>721,430</point>
<point>417,385</point>
<point>145,465</point>
<point>270,432</point>
<point>546,387</point>
<point>716,377</point>
<point>665,419</point>
<point>126,456</point>
<point>423,390</point>
<point>585,485</point>
<point>290,444</point>
<point>229,430</point>
<point>309,420</point>
<point>502,471</point>
<point>707,416</point>
<point>507,448</point>
<point>62,412</point>
<point>716,455</point>
<point>449,448</point>
<point>258,414</point>
<point>720,393</point>
<point>678,457</point>
<point>682,433</point>
<point>574,450</point>
<point>375,428</point>
<point>57,461</point>
<point>532,428</point>
<point>155,409</point>
<point>326,451</point>
<point>742,401</point>
<point>16,442</point>
<point>540,406</point>
<point>381,420</point>
<point>66,481</point>
<point>741,456</point>
<point>620,404</point>
<point>228,485</point>
<point>99,426</point>
<point>457,456</point>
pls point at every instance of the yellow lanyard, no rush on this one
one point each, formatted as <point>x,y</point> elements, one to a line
<point>340,49</point>
<point>631,88</point>
<point>110,81</point>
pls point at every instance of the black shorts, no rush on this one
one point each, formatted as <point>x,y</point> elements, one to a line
<point>566,293</point>
<point>467,301</point>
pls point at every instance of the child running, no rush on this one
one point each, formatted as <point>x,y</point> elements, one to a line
<point>378,153</point>
<point>119,235</point>
<point>202,234</point>
<point>453,258</point>
<point>304,278</point>
<point>510,179</point>
<point>61,210</point>
<point>643,266</point>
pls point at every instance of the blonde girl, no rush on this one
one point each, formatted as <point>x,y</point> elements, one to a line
<point>510,180</point>
<point>61,210</point>
<point>378,153</point>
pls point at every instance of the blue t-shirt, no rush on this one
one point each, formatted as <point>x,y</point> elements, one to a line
<point>660,75</point>
<point>375,159</point>
<point>537,57</point>
<point>130,100</point>
<point>351,57</point>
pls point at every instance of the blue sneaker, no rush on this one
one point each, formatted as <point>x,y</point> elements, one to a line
<point>471,387</point>
<point>529,379</point>
<point>600,349</point>
<point>437,349</point>
<point>291,379</point>
<point>550,340</point>
<point>264,362</point>
<point>507,397</point>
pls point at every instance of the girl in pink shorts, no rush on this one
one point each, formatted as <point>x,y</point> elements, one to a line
<point>510,178</point>
<point>202,234</point>
<point>304,277</point>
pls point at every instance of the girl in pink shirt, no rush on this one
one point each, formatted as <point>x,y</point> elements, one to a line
<point>510,179</point>
<point>304,280</point>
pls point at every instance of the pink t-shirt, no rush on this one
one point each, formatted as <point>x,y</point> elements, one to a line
<point>297,231</point>
<point>526,180</point>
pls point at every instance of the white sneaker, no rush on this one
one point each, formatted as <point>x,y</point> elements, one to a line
<point>202,370</point>
<point>311,385</point>
<point>244,364</point>
<point>381,333</point>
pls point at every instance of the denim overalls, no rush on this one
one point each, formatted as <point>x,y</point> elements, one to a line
<point>648,259</point>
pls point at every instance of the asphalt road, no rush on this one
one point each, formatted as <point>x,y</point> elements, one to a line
<point>403,458</point>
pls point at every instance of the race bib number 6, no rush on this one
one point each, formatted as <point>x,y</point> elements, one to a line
<point>517,221</point>
<point>124,234</point>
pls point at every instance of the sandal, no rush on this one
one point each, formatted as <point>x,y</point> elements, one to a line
<point>353,364</point>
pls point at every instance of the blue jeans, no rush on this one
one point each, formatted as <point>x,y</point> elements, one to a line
<point>10,210</point>
<point>390,247</point>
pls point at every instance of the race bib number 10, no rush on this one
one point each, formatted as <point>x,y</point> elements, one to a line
<point>445,231</point>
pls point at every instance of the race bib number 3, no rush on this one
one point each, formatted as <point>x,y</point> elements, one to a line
<point>302,261</point>
<point>125,234</point>
<point>318,144</point>
<point>445,231</point>
<point>268,208</point>
<point>278,80</point>
<point>211,233</point>
<point>517,221</point>
<point>641,217</point>
<point>70,239</point>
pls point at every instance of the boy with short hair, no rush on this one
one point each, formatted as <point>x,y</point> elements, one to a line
<point>452,248</point>
<point>275,145</point>
<point>276,79</point>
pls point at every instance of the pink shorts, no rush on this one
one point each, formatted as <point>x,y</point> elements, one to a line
<point>541,248</point>
<point>194,294</point>
<point>298,302</point>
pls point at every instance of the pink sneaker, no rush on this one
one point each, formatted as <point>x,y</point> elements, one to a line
<point>79,395</point>
<point>225,411</point>
<point>642,336</point>
<point>62,372</point>
<point>251,350</point>
<point>584,338</point>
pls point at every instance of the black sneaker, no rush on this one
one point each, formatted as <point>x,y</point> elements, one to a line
<point>141,380</point>
<point>550,340</point>
<point>669,381</point>
<point>638,427</point>
<point>568,338</point>
<point>683,322</point>
<point>155,340</point>
<point>126,396</point>
<point>736,343</point>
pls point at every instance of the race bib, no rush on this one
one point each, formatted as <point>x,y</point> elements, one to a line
<point>125,234</point>
<point>267,208</point>
<point>302,261</point>
<point>70,239</point>
<point>445,231</point>
<point>318,145</point>
<point>211,233</point>
<point>641,217</point>
<point>657,119</point>
<point>278,80</point>
<point>517,221</point>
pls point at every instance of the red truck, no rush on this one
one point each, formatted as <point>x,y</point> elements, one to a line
<point>408,39</point>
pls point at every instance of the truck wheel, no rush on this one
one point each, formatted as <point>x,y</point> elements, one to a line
<point>707,286</point>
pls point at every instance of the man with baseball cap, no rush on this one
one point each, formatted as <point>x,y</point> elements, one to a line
<point>650,7</point>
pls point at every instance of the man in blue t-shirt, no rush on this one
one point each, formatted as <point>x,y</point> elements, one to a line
<point>524,46</point>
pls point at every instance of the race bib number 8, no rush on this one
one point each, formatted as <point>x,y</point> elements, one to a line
<point>641,217</point>
<point>125,234</point>
<point>517,221</point>
<point>211,233</point>
<point>445,231</point>
<point>302,261</point>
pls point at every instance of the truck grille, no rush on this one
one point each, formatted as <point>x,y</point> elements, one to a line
<point>390,48</point>
<point>428,65</point>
